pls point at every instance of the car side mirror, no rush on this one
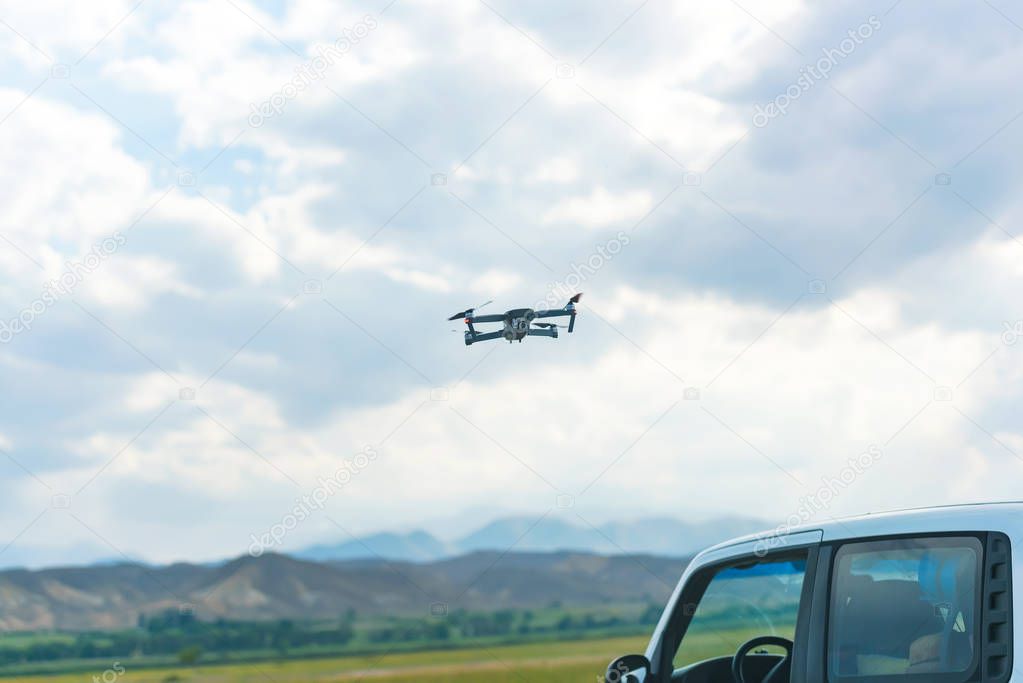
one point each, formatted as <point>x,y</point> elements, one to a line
<point>621,669</point>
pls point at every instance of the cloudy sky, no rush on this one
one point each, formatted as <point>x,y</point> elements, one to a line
<point>232,231</point>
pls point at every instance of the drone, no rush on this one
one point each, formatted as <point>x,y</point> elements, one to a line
<point>518,322</point>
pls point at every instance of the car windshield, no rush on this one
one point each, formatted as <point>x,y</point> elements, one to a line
<point>742,602</point>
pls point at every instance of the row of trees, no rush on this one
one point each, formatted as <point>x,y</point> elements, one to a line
<point>502,623</point>
<point>173,633</point>
<point>180,633</point>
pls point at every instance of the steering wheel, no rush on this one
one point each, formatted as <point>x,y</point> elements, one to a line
<point>775,675</point>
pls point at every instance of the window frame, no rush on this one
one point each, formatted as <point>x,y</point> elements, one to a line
<point>824,602</point>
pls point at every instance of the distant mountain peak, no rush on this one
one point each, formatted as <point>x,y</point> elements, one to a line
<point>415,546</point>
<point>663,536</point>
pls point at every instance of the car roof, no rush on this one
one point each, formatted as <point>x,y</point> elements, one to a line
<point>1006,517</point>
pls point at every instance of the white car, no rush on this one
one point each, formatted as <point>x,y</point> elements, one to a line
<point>921,596</point>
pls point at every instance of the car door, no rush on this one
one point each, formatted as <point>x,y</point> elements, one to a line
<point>922,608</point>
<point>728,596</point>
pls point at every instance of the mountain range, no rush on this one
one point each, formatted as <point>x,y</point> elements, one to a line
<point>280,587</point>
<point>512,562</point>
<point>655,536</point>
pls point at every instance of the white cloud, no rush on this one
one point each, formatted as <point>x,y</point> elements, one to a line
<point>282,228</point>
<point>131,283</point>
<point>428,281</point>
<point>66,31</point>
<point>292,159</point>
<point>65,183</point>
<point>229,64</point>
<point>276,229</point>
<point>601,209</point>
<point>244,166</point>
<point>495,282</point>
<point>556,170</point>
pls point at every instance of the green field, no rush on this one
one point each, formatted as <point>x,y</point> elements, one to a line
<point>165,641</point>
<point>537,663</point>
<point>545,661</point>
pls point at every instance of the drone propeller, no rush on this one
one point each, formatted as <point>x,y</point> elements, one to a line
<point>469,311</point>
<point>575,299</point>
<point>550,325</point>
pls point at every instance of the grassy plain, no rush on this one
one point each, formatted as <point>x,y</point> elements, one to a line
<point>550,662</point>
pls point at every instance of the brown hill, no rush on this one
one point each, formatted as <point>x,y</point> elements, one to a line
<point>278,586</point>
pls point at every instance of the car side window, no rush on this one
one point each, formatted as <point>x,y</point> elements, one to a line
<point>905,608</point>
<point>743,601</point>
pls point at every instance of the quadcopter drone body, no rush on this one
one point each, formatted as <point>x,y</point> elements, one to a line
<point>518,323</point>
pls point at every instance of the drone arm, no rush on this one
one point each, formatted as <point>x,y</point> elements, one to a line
<point>552,313</point>
<point>492,318</point>
<point>471,339</point>
<point>543,332</point>
<point>569,311</point>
